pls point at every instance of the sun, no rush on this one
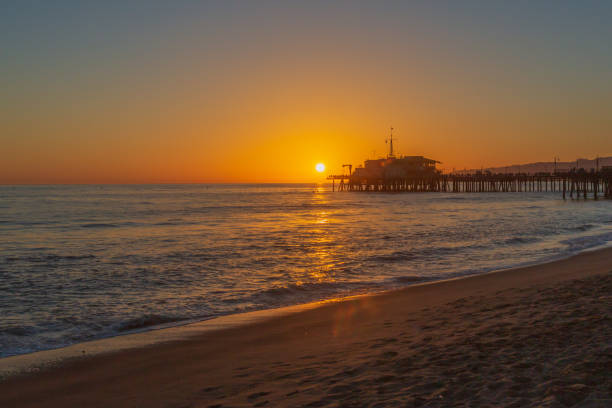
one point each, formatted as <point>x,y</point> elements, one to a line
<point>320,167</point>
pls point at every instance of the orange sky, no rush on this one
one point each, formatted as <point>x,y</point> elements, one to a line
<point>221,95</point>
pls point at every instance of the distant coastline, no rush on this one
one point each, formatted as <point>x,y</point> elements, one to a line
<point>545,167</point>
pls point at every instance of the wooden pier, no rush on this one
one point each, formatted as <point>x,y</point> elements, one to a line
<point>395,174</point>
<point>573,184</point>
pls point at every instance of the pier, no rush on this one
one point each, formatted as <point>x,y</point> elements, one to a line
<point>419,174</point>
<point>572,184</point>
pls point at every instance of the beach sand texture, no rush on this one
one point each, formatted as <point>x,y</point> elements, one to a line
<point>534,336</point>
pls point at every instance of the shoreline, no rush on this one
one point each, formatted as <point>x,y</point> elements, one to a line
<point>20,364</point>
<point>217,352</point>
<point>33,362</point>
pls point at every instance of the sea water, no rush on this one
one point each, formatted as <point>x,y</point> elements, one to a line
<point>85,262</point>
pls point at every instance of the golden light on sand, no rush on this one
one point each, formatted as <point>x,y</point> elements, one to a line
<point>320,167</point>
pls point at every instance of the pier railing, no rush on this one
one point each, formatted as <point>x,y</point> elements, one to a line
<point>573,184</point>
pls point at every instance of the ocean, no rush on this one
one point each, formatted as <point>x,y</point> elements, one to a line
<point>85,262</point>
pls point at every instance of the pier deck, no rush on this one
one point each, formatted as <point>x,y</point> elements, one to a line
<point>573,184</point>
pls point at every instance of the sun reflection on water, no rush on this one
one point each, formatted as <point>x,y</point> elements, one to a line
<point>322,242</point>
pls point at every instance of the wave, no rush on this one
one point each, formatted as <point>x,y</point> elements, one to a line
<point>190,256</point>
<point>584,227</point>
<point>423,253</point>
<point>584,243</point>
<point>147,321</point>
<point>456,198</point>
<point>48,258</point>
<point>19,331</point>
<point>95,225</point>
<point>410,279</point>
<point>312,291</point>
<point>296,293</point>
<point>293,289</point>
<point>521,240</point>
<point>32,223</point>
<point>99,225</point>
<point>397,256</point>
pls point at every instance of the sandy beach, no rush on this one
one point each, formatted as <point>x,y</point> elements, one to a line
<point>533,336</point>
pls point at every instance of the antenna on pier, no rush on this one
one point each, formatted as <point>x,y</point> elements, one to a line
<point>390,141</point>
<point>556,160</point>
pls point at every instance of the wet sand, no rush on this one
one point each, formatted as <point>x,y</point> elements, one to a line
<point>534,336</point>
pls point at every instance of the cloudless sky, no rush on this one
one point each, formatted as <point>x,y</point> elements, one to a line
<point>245,91</point>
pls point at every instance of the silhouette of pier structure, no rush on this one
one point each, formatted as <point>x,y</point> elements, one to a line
<point>572,184</point>
<point>419,174</point>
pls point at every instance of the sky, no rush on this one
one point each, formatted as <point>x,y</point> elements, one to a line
<point>262,91</point>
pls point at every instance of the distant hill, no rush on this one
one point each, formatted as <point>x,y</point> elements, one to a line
<point>546,167</point>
